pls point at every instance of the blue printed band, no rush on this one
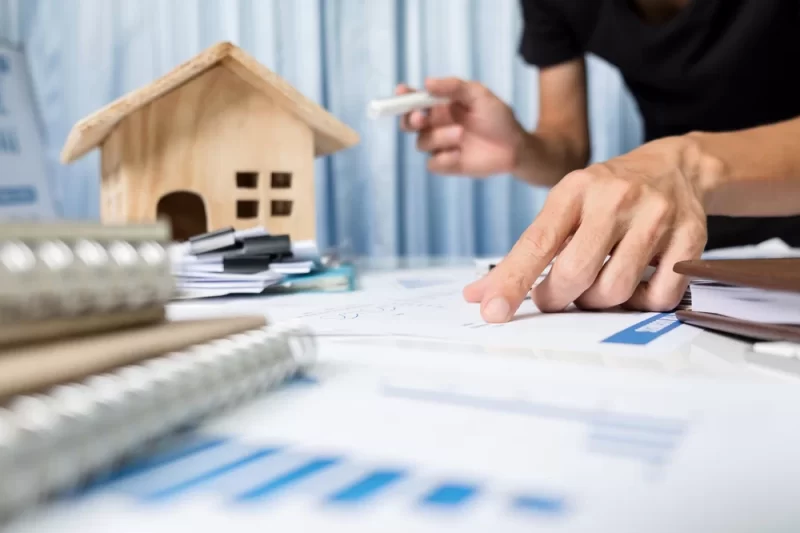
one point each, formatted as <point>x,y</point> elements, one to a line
<point>645,331</point>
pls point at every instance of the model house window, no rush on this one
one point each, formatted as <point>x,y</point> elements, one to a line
<point>281,180</point>
<point>247,180</point>
<point>246,209</point>
<point>281,208</point>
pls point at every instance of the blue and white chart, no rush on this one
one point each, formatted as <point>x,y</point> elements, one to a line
<point>395,445</point>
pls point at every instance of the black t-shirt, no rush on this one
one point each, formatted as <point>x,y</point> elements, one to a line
<point>718,65</point>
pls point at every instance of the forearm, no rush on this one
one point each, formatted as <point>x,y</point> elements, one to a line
<point>753,172</point>
<point>546,156</point>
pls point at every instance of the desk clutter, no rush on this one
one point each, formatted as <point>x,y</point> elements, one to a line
<point>91,371</point>
<point>116,414</point>
<point>252,261</point>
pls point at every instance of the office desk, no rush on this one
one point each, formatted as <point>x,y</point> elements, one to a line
<point>583,440</point>
<point>707,354</point>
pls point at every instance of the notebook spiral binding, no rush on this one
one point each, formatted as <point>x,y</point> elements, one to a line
<point>45,276</point>
<point>58,440</point>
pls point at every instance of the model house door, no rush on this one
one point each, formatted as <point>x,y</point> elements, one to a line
<point>186,212</point>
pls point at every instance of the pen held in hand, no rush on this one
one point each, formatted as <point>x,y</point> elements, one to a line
<point>402,104</point>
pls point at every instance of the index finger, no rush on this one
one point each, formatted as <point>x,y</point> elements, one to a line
<point>510,281</point>
<point>405,124</point>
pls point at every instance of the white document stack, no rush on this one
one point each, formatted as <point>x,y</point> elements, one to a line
<point>748,303</point>
<point>239,262</point>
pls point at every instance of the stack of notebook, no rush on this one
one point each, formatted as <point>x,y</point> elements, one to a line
<point>754,298</point>
<point>252,261</point>
<point>92,373</point>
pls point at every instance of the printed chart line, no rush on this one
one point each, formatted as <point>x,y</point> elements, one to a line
<point>543,410</point>
<point>638,437</point>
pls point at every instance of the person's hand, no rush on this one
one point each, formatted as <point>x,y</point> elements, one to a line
<point>642,208</point>
<point>475,134</point>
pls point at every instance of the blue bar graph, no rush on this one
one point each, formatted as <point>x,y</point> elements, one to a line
<point>302,379</point>
<point>274,486</point>
<point>647,444</point>
<point>539,504</point>
<point>367,487</point>
<point>538,409</point>
<point>632,436</point>
<point>450,495</point>
<point>641,439</point>
<point>202,462</point>
<point>175,452</point>
<point>209,475</point>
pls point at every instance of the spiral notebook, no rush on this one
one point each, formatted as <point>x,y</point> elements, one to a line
<point>91,372</point>
<point>72,409</point>
<point>61,278</point>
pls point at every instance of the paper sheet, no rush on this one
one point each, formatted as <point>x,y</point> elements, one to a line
<point>767,249</point>
<point>388,444</point>
<point>432,306</point>
<point>747,303</point>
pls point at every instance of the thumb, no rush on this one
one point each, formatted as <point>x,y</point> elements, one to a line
<point>457,90</point>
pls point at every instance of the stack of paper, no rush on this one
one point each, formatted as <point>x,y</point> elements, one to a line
<point>772,248</point>
<point>746,303</point>
<point>242,261</point>
<point>752,302</point>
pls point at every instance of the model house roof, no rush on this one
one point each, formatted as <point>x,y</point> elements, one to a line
<point>330,134</point>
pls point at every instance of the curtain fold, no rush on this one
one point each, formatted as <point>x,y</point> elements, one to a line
<point>375,199</point>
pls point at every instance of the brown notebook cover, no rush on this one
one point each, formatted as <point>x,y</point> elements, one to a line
<point>780,274</point>
<point>771,274</point>
<point>34,368</point>
<point>741,328</point>
<point>27,332</point>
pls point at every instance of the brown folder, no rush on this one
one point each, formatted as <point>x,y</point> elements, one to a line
<point>34,368</point>
<point>779,274</point>
<point>741,328</point>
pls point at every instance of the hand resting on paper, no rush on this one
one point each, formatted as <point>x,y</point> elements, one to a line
<point>639,209</point>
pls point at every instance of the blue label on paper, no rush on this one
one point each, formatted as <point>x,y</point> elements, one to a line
<point>645,331</point>
<point>9,140</point>
<point>4,68</point>
<point>23,195</point>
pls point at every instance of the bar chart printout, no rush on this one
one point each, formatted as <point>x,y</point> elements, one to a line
<point>244,475</point>
<point>394,448</point>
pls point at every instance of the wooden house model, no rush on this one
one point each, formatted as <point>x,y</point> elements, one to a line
<point>220,141</point>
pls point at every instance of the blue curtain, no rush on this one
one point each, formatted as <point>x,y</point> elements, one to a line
<point>376,199</point>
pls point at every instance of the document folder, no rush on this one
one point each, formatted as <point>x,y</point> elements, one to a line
<point>768,276</point>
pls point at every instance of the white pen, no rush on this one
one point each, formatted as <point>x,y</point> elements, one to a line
<point>401,104</point>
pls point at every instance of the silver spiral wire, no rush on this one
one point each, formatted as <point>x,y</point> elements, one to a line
<point>56,441</point>
<point>57,278</point>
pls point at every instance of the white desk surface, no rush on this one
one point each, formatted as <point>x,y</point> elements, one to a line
<point>624,453</point>
<point>707,355</point>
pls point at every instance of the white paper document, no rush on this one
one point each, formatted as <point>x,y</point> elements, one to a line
<point>439,312</point>
<point>388,444</point>
<point>772,248</point>
<point>746,303</point>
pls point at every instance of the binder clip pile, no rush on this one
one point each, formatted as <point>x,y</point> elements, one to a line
<point>252,261</point>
